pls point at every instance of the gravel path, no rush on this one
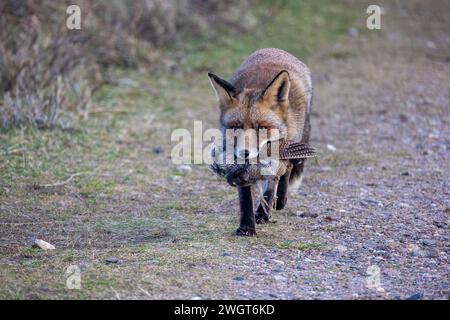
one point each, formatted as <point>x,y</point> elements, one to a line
<point>379,197</point>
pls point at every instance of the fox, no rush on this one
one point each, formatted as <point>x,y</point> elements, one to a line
<point>271,90</point>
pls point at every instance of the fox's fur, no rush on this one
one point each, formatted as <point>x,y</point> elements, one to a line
<point>271,89</point>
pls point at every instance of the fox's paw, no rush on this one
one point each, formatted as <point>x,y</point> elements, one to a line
<point>262,217</point>
<point>245,232</point>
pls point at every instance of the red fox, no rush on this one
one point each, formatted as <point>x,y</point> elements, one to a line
<point>271,89</point>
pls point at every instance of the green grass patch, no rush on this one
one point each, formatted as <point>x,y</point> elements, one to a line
<point>299,27</point>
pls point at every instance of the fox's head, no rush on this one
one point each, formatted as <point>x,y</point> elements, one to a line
<point>253,110</point>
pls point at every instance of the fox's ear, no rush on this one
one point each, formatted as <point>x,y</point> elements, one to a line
<point>224,90</point>
<point>278,90</point>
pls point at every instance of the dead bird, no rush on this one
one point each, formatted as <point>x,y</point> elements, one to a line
<point>246,174</point>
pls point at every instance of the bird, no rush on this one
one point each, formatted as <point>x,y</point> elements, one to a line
<point>245,174</point>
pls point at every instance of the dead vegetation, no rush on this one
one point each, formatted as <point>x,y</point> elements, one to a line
<point>49,73</point>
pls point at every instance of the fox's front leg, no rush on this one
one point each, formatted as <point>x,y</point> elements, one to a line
<point>247,223</point>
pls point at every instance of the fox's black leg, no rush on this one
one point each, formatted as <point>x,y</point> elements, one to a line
<point>247,224</point>
<point>282,190</point>
<point>263,211</point>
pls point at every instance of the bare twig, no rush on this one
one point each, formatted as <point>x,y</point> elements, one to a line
<point>115,293</point>
<point>61,183</point>
<point>145,291</point>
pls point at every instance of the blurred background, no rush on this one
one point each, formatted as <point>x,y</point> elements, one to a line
<point>49,73</point>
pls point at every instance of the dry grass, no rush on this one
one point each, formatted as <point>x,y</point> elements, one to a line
<point>49,73</point>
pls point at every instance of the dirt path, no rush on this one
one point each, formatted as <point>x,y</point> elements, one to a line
<point>379,199</point>
<point>370,221</point>
<point>382,197</point>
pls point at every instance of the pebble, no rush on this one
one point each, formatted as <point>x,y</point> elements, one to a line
<point>112,260</point>
<point>239,279</point>
<point>403,118</point>
<point>278,261</point>
<point>177,179</point>
<point>184,168</point>
<point>415,296</point>
<point>279,278</point>
<point>419,253</point>
<point>353,32</point>
<point>38,243</point>
<point>157,149</point>
<point>428,242</point>
<point>331,147</point>
<point>430,44</point>
<point>308,215</point>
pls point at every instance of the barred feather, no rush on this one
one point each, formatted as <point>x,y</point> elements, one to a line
<point>237,174</point>
<point>290,150</point>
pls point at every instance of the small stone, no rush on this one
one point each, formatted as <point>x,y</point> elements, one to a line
<point>278,261</point>
<point>353,32</point>
<point>308,215</point>
<point>405,174</point>
<point>226,254</point>
<point>415,296</point>
<point>279,278</point>
<point>419,253</point>
<point>428,242</point>
<point>112,260</point>
<point>177,179</point>
<point>278,270</point>
<point>430,44</point>
<point>157,150</point>
<point>431,254</point>
<point>331,147</point>
<point>38,243</point>
<point>239,279</point>
<point>403,118</point>
<point>440,224</point>
<point>184,168</point>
